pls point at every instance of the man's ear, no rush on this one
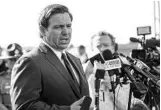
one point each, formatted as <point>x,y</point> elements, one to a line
<point>116,46</point>
<point>42,31</point>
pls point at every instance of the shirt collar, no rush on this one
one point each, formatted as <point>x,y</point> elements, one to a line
<point>58,53</point>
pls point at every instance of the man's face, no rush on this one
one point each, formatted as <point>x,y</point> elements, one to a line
<point>81,51</point>
<point>102,43</point>
<point>9,63</point>
<point>58,33</point>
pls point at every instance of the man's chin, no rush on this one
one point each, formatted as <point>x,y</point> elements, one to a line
<point>63,47</point>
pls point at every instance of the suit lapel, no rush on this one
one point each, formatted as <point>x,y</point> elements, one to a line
<point>79,70</point>
<point>54,60</point>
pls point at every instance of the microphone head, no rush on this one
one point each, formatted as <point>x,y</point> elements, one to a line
<point>107,54</point>
<point>133,39</point>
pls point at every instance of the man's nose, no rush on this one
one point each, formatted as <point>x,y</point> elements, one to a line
<point>64,30</point>
<point>102,48</point>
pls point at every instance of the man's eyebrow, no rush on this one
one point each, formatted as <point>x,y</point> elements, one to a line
<point>63,24</point>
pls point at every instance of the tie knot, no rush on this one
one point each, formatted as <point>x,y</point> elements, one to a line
<point>63,56</point>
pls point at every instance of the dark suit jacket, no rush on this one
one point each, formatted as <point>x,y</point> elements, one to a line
<point>39,81</point>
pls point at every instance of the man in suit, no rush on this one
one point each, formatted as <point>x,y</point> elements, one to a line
<point>42,79</point>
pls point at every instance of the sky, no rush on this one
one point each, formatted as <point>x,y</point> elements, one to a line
<point>19,19</point>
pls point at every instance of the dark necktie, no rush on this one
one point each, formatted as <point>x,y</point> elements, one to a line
<point>68,66</point>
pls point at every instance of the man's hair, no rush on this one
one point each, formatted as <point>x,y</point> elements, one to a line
<point>104,33</point>
<point>81,47</point>
<point>52,10</point>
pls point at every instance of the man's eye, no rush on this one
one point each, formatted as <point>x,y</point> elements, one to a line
<point>106,45</point>
<point>56,27</point>
<point>69,26</point>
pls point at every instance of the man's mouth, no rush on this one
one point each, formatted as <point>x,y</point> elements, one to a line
<point>64,40</point>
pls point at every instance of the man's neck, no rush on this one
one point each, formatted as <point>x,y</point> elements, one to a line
<point>46,43</point>
<point>57,52</point>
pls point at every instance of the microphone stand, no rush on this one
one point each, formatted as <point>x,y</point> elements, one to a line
<point>113,90</point>
<point>98,75</point>
<point>130,96</point>
<point>97,87</point>
<point>134,84</point>
<point>150,98</point>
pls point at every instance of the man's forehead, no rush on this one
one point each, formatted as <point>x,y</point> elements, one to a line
<point>102,39</point>
<point>60,18</point>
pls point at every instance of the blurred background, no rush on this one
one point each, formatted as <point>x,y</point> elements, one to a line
<point>19,21</point>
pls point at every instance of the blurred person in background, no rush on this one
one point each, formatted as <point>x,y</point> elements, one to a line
<point>3,67</point>
<point>1,50</point>
<point>48,77</point>
<point>9,57</point>
<point>82,55</point>
<point>137,104</point>
<point>100,42</point>
<point>15,51</point>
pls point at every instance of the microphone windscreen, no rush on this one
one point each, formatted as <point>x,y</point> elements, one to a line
<point>132,39</point>
<point>86,103</point>
<point>107,54</point>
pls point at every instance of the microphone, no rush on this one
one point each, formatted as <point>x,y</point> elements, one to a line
<point>148,75</point>
<point>143,70</point>
<point>133,39</point>
<point>149,42</point>
<point>86,103</point>
<point>112,66</point>
<point>107,54</point>
<point>120,63</point>
<point>99,74</point>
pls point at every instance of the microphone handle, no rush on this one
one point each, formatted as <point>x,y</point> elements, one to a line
<point>139,86</point>
<point>153,79</point>
<point>97,87</point>
<point>147,75</point>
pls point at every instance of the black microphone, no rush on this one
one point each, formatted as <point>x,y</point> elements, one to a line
<point>142,69</point>
<point>107,54</point>
<point>145,72</point>
<point>99,74</point>
<point>108,57</point>
<point>86,103</point>
<point>149,42</point>
<point>133,39</point>
<point>127,68</point>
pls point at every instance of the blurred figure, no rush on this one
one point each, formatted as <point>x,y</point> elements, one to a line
<point>100,42</point>
<point>10,56</point>
<point>82,55</point>
<point>138,105</point>
<point>3,67</point>
<point>1,50</point>
<point>14,51</point>
<point>2,70</point>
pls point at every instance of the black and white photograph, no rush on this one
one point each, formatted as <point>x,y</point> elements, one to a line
<point>79,55</point>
